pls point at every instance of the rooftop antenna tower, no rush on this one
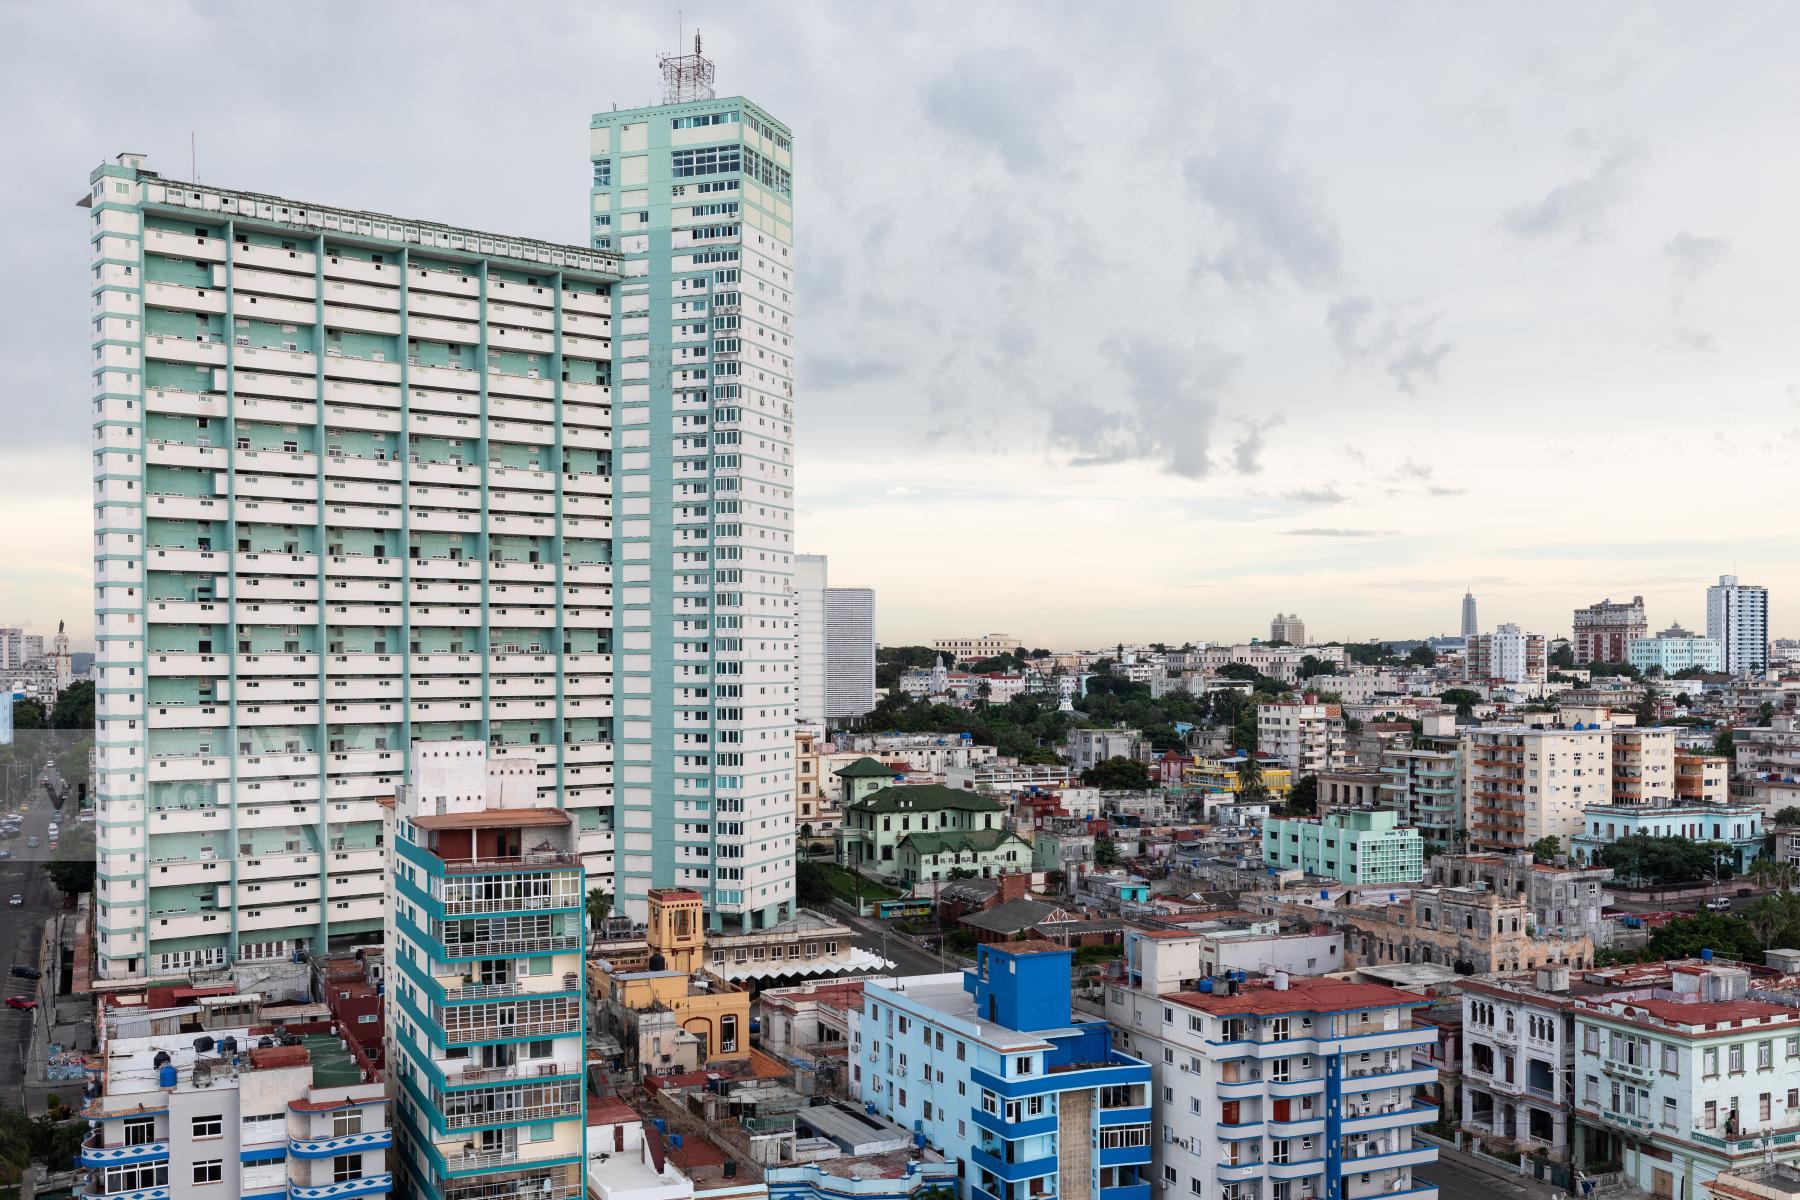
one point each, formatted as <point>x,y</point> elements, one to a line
<point>686,77</point>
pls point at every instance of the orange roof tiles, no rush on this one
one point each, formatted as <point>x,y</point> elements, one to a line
<point>1301,995</point>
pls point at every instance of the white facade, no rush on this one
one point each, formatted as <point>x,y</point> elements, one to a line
<point>849,651</point>
<point>811,577</point>
<point>1246,1084</point>
<point>1521,784</point>
<point>353,488</point>
<point>1306,738</point>
<point>1737,617</point>
<point>1509,654</point>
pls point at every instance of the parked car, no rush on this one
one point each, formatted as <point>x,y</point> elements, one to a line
<point>26,1003</point>
<point>32,842</point>
<point>17,901</point>
<point>25,972</point>
<point>5,854</point>
<point>1719,904</point>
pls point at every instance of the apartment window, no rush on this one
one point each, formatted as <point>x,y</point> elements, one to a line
<point>1668,1116</point>
<point>1764,1104</point>
<point>1735,1064</point>
<point>209,1127</point>
<point>1711,1118</point>
<point>1671,1061</point>
<point>345,1123</point>
<point>1709,1062</point>
<point>1765,1056</point>
<point>211,1170</point>
<point>346,1167</point>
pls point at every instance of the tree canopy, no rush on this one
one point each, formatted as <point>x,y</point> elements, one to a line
<point>1640,858</point>
<point>74,707</point>
<point>1118,775</point>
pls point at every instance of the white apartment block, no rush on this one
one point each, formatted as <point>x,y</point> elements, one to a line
<point>1522,783</point>
<point>1305,736</point>
<point>849,652</point>
<point>1508,655</point>
<point>1737,617</point>
<point>811,576</point>
<point>1280,1090</point>
<point>1643,765</point>
<point>353,488</point>
<point>974,649</point>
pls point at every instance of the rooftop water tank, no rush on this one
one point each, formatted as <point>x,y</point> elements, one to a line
<point>1706,955</point>
<point>1206,987</point>
<point>166,1077</point>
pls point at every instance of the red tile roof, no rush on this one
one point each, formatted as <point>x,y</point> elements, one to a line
<point>610,1110</point>
<point>1711,1012</point>
<point>1301,995</point>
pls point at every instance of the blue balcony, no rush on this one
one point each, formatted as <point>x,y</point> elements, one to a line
<point>1123,1156</point>
<point>1116,1070</point>
<point>1124,1116</point>
<point>1013,1172</point>
<point>1029,1127</point>
<point>368,1185</point>
<point>155,1193</point>
<point>380,1139</point>
<point>1136,1191</point>
<point>119,1156</point>
<point>1418,1157</point>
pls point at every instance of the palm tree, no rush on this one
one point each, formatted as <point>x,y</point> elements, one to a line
<point>599,904</point>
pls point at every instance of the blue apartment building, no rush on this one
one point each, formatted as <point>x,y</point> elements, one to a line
<point>992,1068</point>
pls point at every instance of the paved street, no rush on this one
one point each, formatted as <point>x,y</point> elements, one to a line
<point>22,942</point>
<point>1455,1180</point>
<point>901,950</point>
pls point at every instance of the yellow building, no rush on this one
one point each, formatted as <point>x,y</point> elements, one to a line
<point>665,1003</point>
<point>1225,773</point>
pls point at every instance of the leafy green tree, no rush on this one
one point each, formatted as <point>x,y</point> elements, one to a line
<point>1311,664</point>
<point>1725,744</point>
<point>1668,860</point>
<point>1545,849</point>
<point>74,707</point>
<point>812,886</point>
<point>1304,798</point>
<point>1106,852</point>
<point>1251,786</point>
<point>1421,656</point>
<point>1765,714</point>
<point>1563,657</point>
<point>1614,669</point>
<point>1788,816</point>
<point>1465,700</point>
<point>1686,937</point>
<point>1118,775</point>
<point>72,870</point>
<point>1646,708</point>
<point>28,714</point>
<point>960,873</point>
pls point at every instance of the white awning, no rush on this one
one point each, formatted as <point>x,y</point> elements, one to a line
<point>838,964</point>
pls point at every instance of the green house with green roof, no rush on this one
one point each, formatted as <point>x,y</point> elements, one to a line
<point>862,779</point>
<point>926,831</point>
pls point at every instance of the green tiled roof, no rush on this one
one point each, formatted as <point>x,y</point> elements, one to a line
<point>924,797</point>
<point>956,840</point>
<point>864,768</point>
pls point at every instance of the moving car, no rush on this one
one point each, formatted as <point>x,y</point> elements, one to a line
<point>17,901</point>
<point>5,854</point>
<point>25,972</point>
<point>26,1003</point>
<point>31,842</point>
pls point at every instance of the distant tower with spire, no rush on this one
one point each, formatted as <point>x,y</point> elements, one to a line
<point>1470,626</point>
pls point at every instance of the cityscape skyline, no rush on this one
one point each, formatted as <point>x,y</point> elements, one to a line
<point>1573,267</point>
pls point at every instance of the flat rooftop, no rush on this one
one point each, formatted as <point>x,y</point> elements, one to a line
<point>944,996</point>
<point>494,818</point>
<point>1301,995</point>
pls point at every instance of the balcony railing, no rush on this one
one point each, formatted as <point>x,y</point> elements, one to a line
<point>509,1116</point>
<point>475,1073</point>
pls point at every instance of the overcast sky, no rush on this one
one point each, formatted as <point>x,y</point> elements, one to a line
<point>1115,321</point>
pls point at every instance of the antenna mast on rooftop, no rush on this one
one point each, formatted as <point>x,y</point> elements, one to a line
<point>686,77</point>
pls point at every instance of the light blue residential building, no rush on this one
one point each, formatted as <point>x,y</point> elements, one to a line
<point>993,1069</point>
<point>695,196</point>
<point>1354,846</point>
<point>1739,826</point>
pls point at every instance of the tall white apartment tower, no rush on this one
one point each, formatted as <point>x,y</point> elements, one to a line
<point>353,490</point>
<point>1737,616</point>
<point>695,195</point>
<point>811,576</point>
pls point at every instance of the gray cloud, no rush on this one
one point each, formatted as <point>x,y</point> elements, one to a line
<point>1273,212</point>
<point>1000,99</point>
<point>1408,348</point>
<point>1578,207</point>
<point>1170,411</point>
<point>1319,495</point>
<point>1330,532</point>
<point>829,371</point>
<point>1246,456</point>
<point>1693,256</point>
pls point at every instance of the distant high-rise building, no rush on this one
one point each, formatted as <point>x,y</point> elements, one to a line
<point>1508,654</point>
<point>811,577</point>
<point>696,197</point>
<point>1470,625</point>
<point>1603,632</point>
<point>1288,628</point>
<point>1737,617</point>
<point>849,651</point>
